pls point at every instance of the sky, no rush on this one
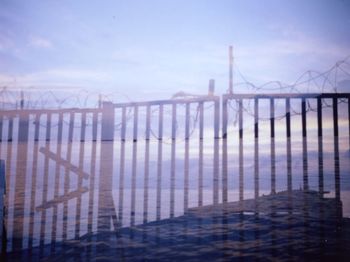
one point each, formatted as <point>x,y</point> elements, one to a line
<point>155,48</point>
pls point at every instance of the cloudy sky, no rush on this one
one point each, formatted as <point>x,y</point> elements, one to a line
<point>155,48</point>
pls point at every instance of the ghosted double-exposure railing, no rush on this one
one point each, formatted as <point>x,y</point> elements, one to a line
<point>76,171</point>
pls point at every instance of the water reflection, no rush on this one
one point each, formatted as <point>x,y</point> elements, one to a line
<point>227,231</point>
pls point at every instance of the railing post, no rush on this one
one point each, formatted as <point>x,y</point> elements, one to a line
<point>272,146</point>
<point>10,130</point>
<point>67,172</point>
<point>200,157</point>
<point>289,149</point>
<point>134,167</point>
<point>304,132</point>
<point>21,168</point>
<point>146,171</point>
<point>241,169</point>
<point>173,161</point>
<point>92,171</point>
<point>224,151</point>
<point>22,100</point>
<point>336,149</point>
<point>320,146</point>
<point>122,166</point>
<point>107,128</point>
<point>187,148</point>
<point>2,206</point>
<point>256,148</point>
<point>46,184</point>
<point>56,177</point>
<point>160,161</point>
<point>34,174</point>
<point>216,150</point>
<point>105,202</point>
<point>80,179</point>
<point>211,89</point>
<point>1,121</point>
<point>348,119</point>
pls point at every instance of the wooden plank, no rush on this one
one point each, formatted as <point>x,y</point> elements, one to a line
<point>78,170</point>
<point>61,199</point>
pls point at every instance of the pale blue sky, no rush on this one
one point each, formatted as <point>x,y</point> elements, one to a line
<point>155,48</point>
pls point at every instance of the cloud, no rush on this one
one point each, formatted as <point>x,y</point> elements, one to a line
<point>344,86</point>
<point>62,81</point>
<point>287,57</point>
<point>295,43</point>
<point>58,77</point>
<point>40,42</point>
<point>6,79</point>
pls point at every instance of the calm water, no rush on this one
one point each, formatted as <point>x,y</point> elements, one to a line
<point>296,226</point>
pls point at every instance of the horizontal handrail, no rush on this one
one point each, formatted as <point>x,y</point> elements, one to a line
<point>196,99</point>
<point>286,95</point>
